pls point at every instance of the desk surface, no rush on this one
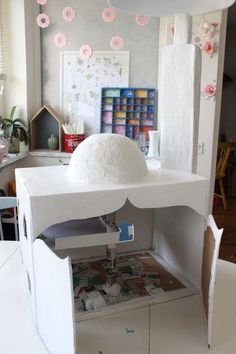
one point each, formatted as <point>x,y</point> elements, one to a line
<point>18,334</point>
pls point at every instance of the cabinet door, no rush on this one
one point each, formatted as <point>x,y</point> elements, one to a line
<point>211,248</point>
<point>178,327</point>
<point>123,333</point>
<point>54,300</point>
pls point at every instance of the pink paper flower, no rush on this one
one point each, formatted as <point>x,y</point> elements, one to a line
<point>208,47</point>
<point>60,40</point>
<point>85,51</point>
<point>43,20</point>
<point>42,2</point>
<point>116,43</point>
<point>210,90</point>
<point>207,30</point>
<point>142,20</point>
<point>68,14</point>
<point>108,14</point>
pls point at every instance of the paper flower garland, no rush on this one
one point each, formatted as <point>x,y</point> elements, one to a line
<point>209,48</point>
<point>85,51</point>
<point>116,43</point>
<point>43,20</point>
<point>142,20</point>
<point>60,40</point>
<point>209,91</point>
<point>42,2</point>
<point>109,14</point>
<point>68,14</point>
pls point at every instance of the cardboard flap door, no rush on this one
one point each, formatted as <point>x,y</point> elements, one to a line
<point>211,248</point>
<point>54,300</point>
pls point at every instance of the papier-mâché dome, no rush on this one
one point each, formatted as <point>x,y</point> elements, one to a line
<point>108,158</point>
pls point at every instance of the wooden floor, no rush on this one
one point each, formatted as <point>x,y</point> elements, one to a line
<point>227,220</point>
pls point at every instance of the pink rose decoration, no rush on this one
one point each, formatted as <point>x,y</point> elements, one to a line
<point>208,47</point>
<point>207,30</point>
<point>42,2</point>
<point>43,20</point>
<point>60,40</point>
<point>68,14</point>
<point>210,90</point>
<point>116,43</point>
<point>142,20</point>
<point>109,14</point>
<point>85,51</point>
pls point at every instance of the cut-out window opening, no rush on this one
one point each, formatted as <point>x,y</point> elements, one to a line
<point>25,227</point>
<point>29,282</point>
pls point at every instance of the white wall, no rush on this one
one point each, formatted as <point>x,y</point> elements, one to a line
<point>90,28</point>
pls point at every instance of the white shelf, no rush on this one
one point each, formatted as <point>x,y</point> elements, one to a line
<point>50,154</point>
<point>12,158</point>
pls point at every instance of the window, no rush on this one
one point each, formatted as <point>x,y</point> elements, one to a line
<point>2,51</point>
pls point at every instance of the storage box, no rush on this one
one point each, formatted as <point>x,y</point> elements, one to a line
<point>71,141</point>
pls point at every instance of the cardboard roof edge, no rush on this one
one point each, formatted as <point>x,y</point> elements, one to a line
<point>48,108</point>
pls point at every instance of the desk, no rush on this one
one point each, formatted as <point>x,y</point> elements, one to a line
<point>19,336</point>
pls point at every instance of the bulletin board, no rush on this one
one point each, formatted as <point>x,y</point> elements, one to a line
<point>81,82</point>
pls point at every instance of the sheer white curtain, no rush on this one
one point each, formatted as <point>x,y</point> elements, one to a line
<point>2,50</point>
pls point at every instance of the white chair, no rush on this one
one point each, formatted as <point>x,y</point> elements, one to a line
<point>5,203</point>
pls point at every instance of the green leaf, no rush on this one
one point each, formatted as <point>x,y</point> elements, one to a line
<point>9,129</point>
<point>12,112</point>
<point>7,121</point>
<point>21,121</point>
<point>24,136</point>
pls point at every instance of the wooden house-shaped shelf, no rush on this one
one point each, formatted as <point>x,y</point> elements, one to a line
<point>44,123</point>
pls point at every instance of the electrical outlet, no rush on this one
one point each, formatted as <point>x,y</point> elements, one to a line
<point>200,149</point>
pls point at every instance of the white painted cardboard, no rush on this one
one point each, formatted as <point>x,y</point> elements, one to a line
<point>54,300</point>
<point>18,332</point>
<point>126,332</point>
<point>217,233</point>
<point>20,335</point>
<point>53,197</point>
<point>160,8</point>
<point>183,29</point>
<point>179,107</point>
<point>178,235</point>
<point>178,327</point>
<point>87,240</point>
<point>25,236</point>
<point>48,196</point>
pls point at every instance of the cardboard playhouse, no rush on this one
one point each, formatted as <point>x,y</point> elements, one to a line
<point>93,290</point>
<point>63,243</point>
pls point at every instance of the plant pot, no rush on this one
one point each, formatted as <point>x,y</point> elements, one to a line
<point>2,152</point>
<point>6,143</point>
<point>14,146</point>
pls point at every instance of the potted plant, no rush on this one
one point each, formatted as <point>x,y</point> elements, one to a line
<point>14,129</point>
